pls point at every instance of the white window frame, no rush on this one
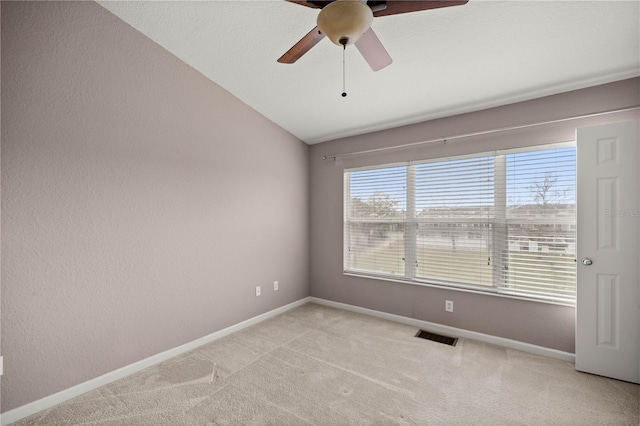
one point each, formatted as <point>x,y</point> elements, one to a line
<point>499,222</point>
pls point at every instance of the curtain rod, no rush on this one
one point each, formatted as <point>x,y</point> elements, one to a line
<point>481,133</point>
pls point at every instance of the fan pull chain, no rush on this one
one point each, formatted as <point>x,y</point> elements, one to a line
<point>344,92</point>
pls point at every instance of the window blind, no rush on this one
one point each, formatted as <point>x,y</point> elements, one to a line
<point>502,222</point>
<point>454,214</point>
<point>374,220</point>
<point>539,248</point>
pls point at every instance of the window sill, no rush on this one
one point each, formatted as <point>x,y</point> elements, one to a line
<point>488,292</point>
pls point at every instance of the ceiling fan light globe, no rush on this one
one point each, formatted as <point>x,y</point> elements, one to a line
<point>345,20</point>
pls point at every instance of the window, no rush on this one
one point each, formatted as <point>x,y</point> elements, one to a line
<point>502,222</point>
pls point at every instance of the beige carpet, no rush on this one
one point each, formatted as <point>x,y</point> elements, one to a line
<point>323,366</point>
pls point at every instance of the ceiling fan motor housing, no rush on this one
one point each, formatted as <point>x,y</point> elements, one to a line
<point>344,21</point>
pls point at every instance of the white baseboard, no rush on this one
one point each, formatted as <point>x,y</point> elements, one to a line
<point>453,331</point>
<point>77,390</point>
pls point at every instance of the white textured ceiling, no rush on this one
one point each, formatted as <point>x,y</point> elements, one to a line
<point>446,61</point>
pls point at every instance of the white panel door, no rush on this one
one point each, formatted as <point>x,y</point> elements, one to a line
<point>608,294</point>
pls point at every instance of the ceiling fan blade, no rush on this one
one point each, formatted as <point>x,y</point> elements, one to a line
<point>303,46</point>
<point>319,4</point>
<point>395,7</point>
<point>373,51</point>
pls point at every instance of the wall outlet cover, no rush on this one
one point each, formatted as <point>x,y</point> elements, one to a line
<point>448,305</point>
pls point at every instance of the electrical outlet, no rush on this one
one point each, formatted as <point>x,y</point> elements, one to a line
<point>275,286</point>
<point>258,291</point>
<point>448,305</point>
<point>1,365</point>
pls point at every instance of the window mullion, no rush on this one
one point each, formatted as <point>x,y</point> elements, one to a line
<point>500,244</point>
<point>346,246</point>
<point>410,226</point>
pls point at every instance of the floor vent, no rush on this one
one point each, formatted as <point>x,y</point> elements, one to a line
<point>451,341</point>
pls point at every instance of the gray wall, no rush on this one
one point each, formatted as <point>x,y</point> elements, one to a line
<point>547,325</point>
<point>141,202</point>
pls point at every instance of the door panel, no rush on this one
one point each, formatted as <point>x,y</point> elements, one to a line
<point>607,315</point>
<point>608,294</point>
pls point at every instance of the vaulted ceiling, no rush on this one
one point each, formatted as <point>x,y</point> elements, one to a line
<point>445,61</point>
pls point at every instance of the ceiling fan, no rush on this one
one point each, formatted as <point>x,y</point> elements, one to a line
<point>348,22</point>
